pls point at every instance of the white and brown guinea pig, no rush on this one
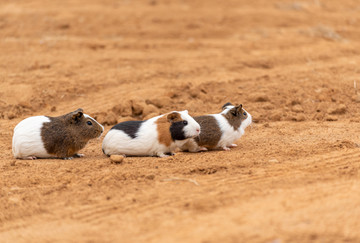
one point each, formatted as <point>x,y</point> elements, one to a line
<point>220,130</point>
<point>158,136</point>
<point>49,137</point>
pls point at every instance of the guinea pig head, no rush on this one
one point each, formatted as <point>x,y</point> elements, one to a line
<point>236,115</point>
<point>183,126</point>
<point>84,126</point>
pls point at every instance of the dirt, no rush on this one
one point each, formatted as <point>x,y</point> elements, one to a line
<point>294,65</point>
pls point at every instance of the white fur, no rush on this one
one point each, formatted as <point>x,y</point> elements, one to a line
<point>146,142</point>
<point>27,142</point>
<point>193,128</point>
<point>87,116</point>
<point>229,135</point>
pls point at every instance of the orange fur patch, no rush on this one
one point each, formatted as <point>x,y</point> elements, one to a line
<point>163,127</point>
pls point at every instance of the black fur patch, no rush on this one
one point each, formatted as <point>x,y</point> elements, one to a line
<point>223,107</point>
<point>129,127</point>
<point>177,130</point>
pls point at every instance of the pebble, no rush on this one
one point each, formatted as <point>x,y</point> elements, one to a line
<point>356,98</point>
<point>160,102</point>
<point>276,116</point>
<point>149,109</point>
<point>338,110</point>
<point>116,159</point>
<point>137,108</point>
<point>297,108</point>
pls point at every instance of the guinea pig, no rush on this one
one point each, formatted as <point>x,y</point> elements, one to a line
<point>219,130</point>
<point>49,137</point>
<point>158,136</point>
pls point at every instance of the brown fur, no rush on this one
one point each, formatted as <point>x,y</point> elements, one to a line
<point>65,135</point>
<point>210,131</point>
<point>235,116</point>
<point>163,127</point>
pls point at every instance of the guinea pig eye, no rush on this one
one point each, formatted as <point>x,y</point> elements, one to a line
<point>185,122</point>
<point>89,123</point>
<point>244,113</point>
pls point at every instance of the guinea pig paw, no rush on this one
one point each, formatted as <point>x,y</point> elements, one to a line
<point>78,155</point>
<point>226,148</point>
<point>233,145</point>
<point>31,157</point>
<point>67,158</point>
<point>162,155</point>
<point>202,149</point>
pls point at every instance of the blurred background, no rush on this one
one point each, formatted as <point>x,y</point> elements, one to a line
<point>116,59</point>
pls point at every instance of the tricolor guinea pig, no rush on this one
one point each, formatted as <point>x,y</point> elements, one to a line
<point>49,137</point>
<point>220,130</point>
<point>158,136</point>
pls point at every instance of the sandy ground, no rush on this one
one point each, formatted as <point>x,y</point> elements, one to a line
<point>294,65</point>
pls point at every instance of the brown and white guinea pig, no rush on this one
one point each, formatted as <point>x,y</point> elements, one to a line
<point>220,130</point>
<point>157,136</point>
<point>48,137</point>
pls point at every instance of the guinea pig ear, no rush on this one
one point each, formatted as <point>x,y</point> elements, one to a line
<point>224,106</point>
<point>238,108</point>
<point>76,115</point>
<point>173,117</point>
<point>234,111</point>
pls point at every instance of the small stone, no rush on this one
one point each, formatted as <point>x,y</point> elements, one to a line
<point>266,125</point>
<point>276,116</point>
<point>107,119</point>
<point>338,110</point>
<point>100,117</point>
<point>25,104</point>
<point>295,102</point>
<point>356,98</point>
<point>331,118</point>
<point>193,93</point>
<point>150,177</point>
<point>297,108</point>
<point>345,144</point>
<point>267,106</point>
<point>149,109</point>
<point>159,102</point>
<point>300,117</point>
<point>321,107</point>
<point>123,109</point>
<point>321,97</point>
<point>256,116</point>
<point>137,108</point>
<point>11,115</point>
<point>117,109</point>
<point>116,159</point>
